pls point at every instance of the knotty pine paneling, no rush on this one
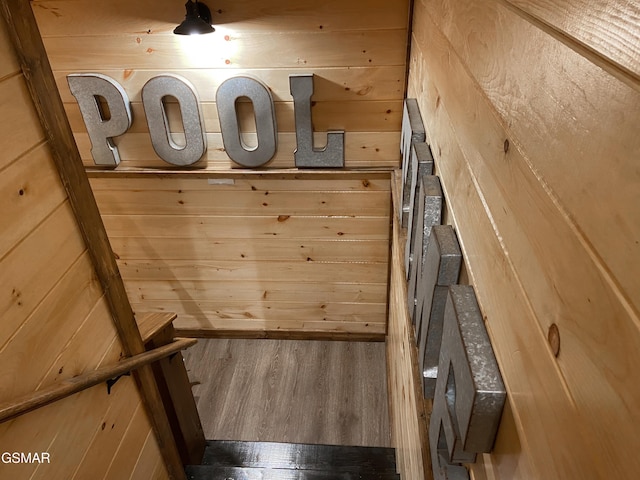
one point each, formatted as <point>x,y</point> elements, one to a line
<point>536,148</point>
<point>106,443</point>
<point>240,50</point>
<point>356,49</point>
<point>55,323</point>
<point>56,320</point>
<point>252,197</point>
<point>8,60</point>
<point>31,192</point>
<point>149,463</point>
<point>608,30</point>
<point>301,254</point>
<point>25,288</point>
<point>19,121</point>
<point>562,141</point>
<point>83,449</point>
<point>131,447</point>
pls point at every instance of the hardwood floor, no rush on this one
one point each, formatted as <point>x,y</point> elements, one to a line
<point>302,391</point>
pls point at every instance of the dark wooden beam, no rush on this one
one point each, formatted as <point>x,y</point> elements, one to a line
<point>175,389</point>
<point>24,33</point>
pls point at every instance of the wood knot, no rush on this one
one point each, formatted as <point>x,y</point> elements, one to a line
<point>553,337</point>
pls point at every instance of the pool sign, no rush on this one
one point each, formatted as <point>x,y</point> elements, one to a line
<point>87,88</point>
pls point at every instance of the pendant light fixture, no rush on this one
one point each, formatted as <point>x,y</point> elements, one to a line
<point>197,20</point>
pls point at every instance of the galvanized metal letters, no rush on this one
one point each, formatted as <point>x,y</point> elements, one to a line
<point>195,144</point>
<point>412,132</point>
<point>458,366</point>
<point>332,155</point>
<point>429,205</point>
<point>88,88</point>
<point>470,394</point>
<point>441,268</point>
<point>421,164</point>
<point>229,92</point>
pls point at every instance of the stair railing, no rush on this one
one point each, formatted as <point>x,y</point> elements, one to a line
<point>68,387</point>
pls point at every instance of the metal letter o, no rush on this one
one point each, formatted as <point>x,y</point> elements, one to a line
<point>228,93</point>
<point>153,93</point>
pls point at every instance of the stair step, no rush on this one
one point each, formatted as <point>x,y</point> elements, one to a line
<point>298,456</point>
<point>209,472</point>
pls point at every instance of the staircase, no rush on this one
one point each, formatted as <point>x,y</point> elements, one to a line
<point>231,460</point>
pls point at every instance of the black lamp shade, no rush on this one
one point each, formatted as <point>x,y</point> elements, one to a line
<point>197,20</point>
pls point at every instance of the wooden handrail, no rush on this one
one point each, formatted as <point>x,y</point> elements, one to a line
<point>65,388</point>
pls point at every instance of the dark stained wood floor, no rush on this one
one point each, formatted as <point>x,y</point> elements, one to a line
<point>301,391</point>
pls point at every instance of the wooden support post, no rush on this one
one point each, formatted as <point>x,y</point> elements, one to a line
<point>175,389</point>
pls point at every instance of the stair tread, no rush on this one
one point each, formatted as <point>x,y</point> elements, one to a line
<point>210,472</point>
<point>299,456</point>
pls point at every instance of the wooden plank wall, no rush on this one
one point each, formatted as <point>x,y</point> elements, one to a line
<point>262,256</point>
<point>293,253</point>
<point>356,49</point>
<point>532,109</point>
<point>56,323</point>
